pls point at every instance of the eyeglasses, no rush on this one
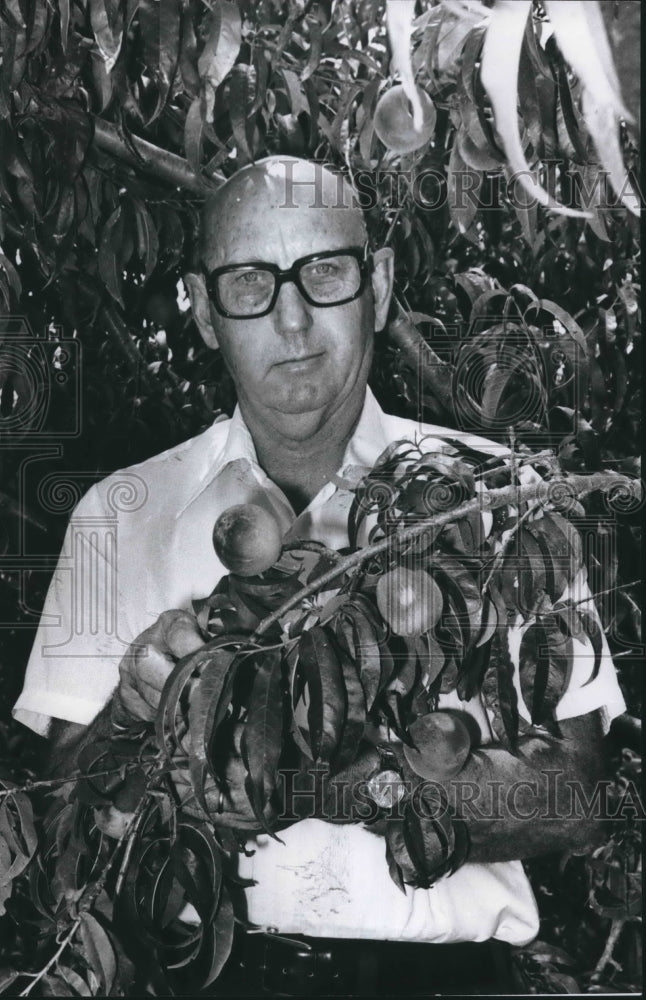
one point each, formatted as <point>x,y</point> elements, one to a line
<point>246,291</point>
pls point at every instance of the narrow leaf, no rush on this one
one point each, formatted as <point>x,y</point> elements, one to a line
<point>98,950</point>
<point>147,238</point>
<point>261,743</point>
<point>326,710</point>
<point>160,29</point>
<point>209,701</point>
<point>499,75</point>
<point>499,692</point>
<point>224,927</point>
<point>595,635</point>
<point>355,718</point>
<point>107,26</point>
<point>110,253</point>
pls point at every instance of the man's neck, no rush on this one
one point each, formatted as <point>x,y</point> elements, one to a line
<point>301,452</point>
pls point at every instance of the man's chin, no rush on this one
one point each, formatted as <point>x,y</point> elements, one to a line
<point>300,400</point>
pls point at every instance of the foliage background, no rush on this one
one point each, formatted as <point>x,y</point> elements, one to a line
<point>96,230</point>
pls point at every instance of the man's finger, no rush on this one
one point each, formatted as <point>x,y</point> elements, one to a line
<point>153,669</point>
<point>181,634</point>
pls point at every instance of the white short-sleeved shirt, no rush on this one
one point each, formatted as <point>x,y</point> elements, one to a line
<point>138,544</point>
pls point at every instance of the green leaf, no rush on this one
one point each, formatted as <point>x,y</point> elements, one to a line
<point>18,833</point>
<point>12,275</point>
<point>110,255</point>
<point>147,238</point>
<point>499,692</point>
<point>261,743</point>
<point>189,873</point>
<point>74,980</point>
<point>55,986</point>
<point>497,382</point>
<point>239,93</point>
<point>198,837</point>
<point>357,634</point>
<point>430,838</point>
<point>490,617</point>
<point>188,54</point>
<point>555,559</point>
<point>532,577</point>
<point>98,951</point>
<point>565,548</point>
<point>431,657</point>
<point>224,927</point>
<point>316,47</point>
<point>160,29</point>
<point>166,729</point>
<point>593,631</point>
<point>107,27</point>
<point>355,717</point>
<point>319,659</point>
<point>455,580</point>
<point>194,130</point>
<point>220,50</point>
<point>210,697</point>
<point>400,864</point>
<point>463,189</point>
<point>545,666</point>
<point>64,11</point>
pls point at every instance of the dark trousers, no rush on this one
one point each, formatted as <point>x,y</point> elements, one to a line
<point>264,966</point>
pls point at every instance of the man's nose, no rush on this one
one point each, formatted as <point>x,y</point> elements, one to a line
<point>291,312</point>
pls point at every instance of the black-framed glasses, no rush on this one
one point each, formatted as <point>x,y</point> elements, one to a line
<point>250,290</point>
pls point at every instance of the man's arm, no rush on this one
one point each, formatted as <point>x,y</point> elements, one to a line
<point>513,806</point>
<point>142,675</point>
<point>66,740</point>
<point>527,805</point>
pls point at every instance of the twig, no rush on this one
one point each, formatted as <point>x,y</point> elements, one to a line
<point>308,545</point>
<point>606,957</point>
<point>29,786</point>
<point>90,893</point>
<point>491,500</point>
<point>55,957</point>
<point>602,593</point>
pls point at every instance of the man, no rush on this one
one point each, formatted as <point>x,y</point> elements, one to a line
<point>291,294</point>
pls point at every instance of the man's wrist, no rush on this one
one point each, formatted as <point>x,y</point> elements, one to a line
<point>120,718</point>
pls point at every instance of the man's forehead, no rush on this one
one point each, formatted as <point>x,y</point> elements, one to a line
<point>283,196</point>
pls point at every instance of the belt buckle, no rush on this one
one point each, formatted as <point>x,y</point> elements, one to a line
<point>298,968</point>
<point>288,967</point>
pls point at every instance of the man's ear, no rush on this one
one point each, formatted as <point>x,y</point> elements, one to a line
<point>382,284</point>
<point>201,307</point>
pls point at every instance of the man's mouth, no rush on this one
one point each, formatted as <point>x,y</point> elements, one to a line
<point>301,363</point>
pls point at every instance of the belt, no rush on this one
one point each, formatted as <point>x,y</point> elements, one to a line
<point>272,965</point>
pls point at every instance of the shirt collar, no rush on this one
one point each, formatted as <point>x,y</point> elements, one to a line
<point>370,436</point>
<point>369,439</point>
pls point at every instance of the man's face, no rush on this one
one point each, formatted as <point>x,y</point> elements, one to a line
<point>299,358</point>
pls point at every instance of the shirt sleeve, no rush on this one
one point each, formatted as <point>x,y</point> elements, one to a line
<point>584,692</point>
<point>74,664</point>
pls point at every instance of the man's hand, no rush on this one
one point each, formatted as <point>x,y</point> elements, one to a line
<point>150,659</point>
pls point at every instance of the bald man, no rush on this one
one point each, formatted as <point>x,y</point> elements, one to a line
<point>291,292</point>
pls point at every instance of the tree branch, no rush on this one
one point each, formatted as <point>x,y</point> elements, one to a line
<point>151,159</point>
<point>541,492</point>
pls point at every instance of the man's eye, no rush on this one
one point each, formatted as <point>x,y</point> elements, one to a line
<point>324,269</point>
<point>249,277</point>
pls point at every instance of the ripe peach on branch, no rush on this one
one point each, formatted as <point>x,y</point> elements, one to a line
<point>247,539</point>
